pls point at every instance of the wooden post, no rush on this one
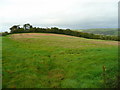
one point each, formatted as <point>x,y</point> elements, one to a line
<point>104,75</point>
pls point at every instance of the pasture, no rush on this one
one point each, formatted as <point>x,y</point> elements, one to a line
<point>38,60</point>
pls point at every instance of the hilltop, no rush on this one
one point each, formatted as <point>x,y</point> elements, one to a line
<point>27,28</point>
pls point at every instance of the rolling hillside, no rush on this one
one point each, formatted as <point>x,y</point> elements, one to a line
<point>103,31</point>
<point>42,60</point>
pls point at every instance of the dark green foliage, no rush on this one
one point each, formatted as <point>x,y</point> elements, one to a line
<point>27,26</point>
<point>14,28</point>
<point>4,34</point>
<point>56,30</point>
<point>20,30</point>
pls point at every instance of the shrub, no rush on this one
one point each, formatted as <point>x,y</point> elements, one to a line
<point>4,34</point>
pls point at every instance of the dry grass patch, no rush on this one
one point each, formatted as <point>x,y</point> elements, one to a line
<point>36,35</point>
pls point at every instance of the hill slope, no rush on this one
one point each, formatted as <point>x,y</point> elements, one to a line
<point>38,60</point>
<point>104,31</point>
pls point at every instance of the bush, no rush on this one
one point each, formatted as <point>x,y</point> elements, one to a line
<point>4,34</point>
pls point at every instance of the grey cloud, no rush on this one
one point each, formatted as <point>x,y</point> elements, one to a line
<point>73,14</point>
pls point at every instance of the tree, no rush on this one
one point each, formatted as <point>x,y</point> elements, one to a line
<point>27,26</point>
<point>15,27</point>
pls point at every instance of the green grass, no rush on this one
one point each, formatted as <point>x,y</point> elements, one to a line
<point>57,62</point>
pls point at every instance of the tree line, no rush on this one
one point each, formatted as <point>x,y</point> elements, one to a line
<point>27,28</point>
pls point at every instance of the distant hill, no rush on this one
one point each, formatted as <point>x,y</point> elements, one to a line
<point>104,31</point>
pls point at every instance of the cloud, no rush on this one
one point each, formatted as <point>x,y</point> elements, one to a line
<point>73,14</point>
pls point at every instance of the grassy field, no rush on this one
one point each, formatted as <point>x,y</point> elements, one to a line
<point>56,61</point>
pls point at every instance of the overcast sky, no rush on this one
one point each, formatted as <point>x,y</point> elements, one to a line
<point>73,14</point>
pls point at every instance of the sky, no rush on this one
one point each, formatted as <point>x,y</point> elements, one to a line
<point>72,14</point>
